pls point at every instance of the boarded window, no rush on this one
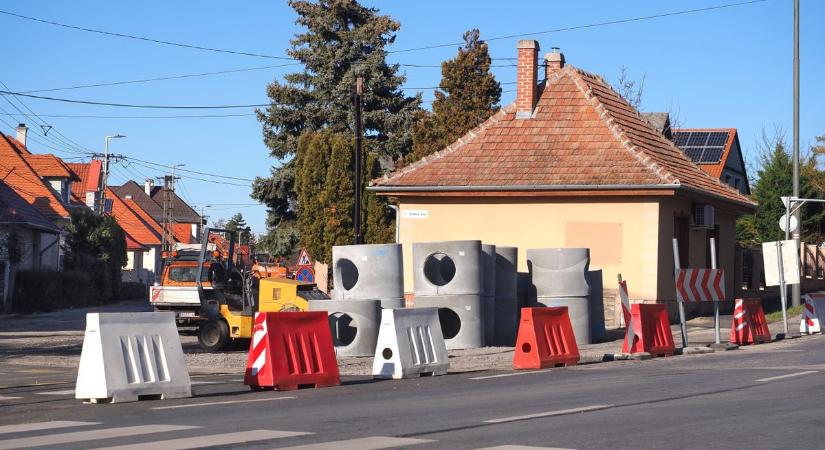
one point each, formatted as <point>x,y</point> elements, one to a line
<point>603,239</point>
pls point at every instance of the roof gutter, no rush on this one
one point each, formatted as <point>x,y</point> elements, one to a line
<point>530,187</point>
<point>33,226</point>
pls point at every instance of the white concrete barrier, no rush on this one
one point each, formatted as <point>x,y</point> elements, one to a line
<point>410,343</point>
<point>127,356</point>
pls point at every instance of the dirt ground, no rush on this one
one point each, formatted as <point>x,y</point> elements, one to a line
<point>55,339</point>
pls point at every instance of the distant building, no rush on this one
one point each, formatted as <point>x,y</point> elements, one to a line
<point>717,152</point>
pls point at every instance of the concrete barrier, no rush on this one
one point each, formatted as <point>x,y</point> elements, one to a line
<point>488,264</point>
<point>129,356</point>
<point>461,318</point>
<point>368,272</point>
<point>353,323</point>
<point>559,272</point>
<point>596,303</point>
<point>410,344</point>
<point>578,310</point>
<point>447,268</point>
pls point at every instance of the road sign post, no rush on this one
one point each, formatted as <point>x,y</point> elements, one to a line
<point>715,304</point>
<point>781,262</point>
<point>676,267</point>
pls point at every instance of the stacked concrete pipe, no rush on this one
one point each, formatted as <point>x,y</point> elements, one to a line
<point>506,299</point>
<point>488,298</point>
<point>365,278</point>
<point>449,276</point>
<point>559,278</point>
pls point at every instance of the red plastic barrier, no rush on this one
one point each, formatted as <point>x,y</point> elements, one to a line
<point>291,349</point>
<point>749,325</point>
<point>545,339</point>
<point>652,328</point>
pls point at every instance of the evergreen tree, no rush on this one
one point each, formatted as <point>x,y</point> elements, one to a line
<point>314,151</point>
<point>343,40</point>
<point>237,224</point>
<point>96,245</point>
<point>470,96</point>
<point>338,197</point>
<point>379,223</point>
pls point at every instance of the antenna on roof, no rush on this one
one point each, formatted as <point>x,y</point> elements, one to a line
<point>46,129</point>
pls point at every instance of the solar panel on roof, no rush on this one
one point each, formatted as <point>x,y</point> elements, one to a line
<point>702,147</point>
<point>693,153</point>
<point>717,139</point>
<point>698,139</point>
<point>711,155</point>
<point>681,138</point>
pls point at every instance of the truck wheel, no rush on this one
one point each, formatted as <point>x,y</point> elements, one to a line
<point>213,335</point>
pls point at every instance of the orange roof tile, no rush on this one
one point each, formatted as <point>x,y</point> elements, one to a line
<point>89,175</point>
<point>144,232</point>
<point>132,244</point>
<point>582,135</point>
<point>49,165</point>
<point>18,174</point>
<point>714,170</point>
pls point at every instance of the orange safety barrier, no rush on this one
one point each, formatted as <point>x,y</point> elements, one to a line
<point>545,339</point>
<point>749,325</point>
<point>291,349</point>
<point>652,330</point>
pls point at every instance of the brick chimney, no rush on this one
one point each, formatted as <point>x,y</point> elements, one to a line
<point>22,131</point>
<point>148,185</point>
<point>527,79</point>
<point>553,62</point>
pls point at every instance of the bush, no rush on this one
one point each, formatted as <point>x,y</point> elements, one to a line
<point>45,290</point>
<point>130,290</point>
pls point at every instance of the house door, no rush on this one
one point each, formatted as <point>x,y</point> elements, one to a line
<point>682,233</point>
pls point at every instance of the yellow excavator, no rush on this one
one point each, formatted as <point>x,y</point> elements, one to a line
<point>228,306</point>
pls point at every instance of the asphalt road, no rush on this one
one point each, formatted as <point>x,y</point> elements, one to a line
<point>769,396</point>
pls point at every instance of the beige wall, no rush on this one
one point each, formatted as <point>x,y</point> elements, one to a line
<point>623,235</point>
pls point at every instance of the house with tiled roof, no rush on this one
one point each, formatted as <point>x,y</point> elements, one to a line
<point>143,239</point>
<point>44,193</point>
<point>86,192</point>
<point>187,224</point>
<point>717,152</point>
<point>570,164</point>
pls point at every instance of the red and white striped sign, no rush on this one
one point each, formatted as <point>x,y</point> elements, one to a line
<point>700,285</point>
<point>627,312</point>
<point>259,344</point>
<point>810,319</point>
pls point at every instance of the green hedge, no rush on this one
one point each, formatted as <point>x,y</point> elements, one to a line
<point>130,290</point>
<point>45,290</point>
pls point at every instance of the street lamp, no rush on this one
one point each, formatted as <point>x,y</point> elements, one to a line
<point>106,171</point>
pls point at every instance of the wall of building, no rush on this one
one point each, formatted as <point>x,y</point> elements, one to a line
<point>134,270</point>
<point>623,234</point>
<point>152,264</point>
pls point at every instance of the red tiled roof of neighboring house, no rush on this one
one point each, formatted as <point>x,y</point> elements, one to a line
<point>582,136</point>
<point>89,175</point>
<point>15,210</point>
<point>20,147</point>
<point>182,232</point>
<point>49,165</point>
<point>143,231</point>
<point>19,175</point>
<point>714,170</point>
<point>183,213</point>
<point>132,244</point>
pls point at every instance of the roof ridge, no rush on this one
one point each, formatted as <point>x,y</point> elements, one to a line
<point>457,144</point>
<point>618,132</point>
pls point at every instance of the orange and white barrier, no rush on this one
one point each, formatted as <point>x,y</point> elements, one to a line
<point>814,305</point>
<point>749,325</point>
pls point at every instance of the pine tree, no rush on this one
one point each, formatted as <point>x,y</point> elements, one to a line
<point>470,95</point>
<point>343,40</point>
<point>379,220</point>
<point>238,224</point>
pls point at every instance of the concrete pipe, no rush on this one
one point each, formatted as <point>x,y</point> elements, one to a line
<point>354,324</point>
<point>367,272</point>
<point>559,272</point>
<point>461,318</point>
<point>506,324</point>
<point>447,268</point>
<point>488,264</point>
<point>579,311</point>
<point>506,271</point>
<point>597,329</point>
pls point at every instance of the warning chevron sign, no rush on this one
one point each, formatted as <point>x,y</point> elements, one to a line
<point>700,285</point>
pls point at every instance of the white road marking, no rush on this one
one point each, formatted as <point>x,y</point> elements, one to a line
<point>37,426</point>
<point>212,440</point>
<point>487,377</point>
<point>195,383</point>
<point>3,397</point>
<point>66,392</point>
<point>521,447</point>
<point>549,414</point>
<point>89,435</point>
<point>229,402</point>
<point>367,443</point>
<point>790,375</point>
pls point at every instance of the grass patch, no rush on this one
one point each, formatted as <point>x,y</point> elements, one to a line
<point>777,315</point>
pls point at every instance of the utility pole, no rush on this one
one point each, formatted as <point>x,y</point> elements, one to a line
<point>168,211</point>
<point>359,91</point>
<point>203,221</point>
<point>795,297</point>
<point>102,206</point>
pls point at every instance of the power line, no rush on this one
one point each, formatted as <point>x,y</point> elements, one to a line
<point>126,105</point>
<point>591,25</point>
<point>183,116</point>
<point>143,38</point>
<point>196,178</point>
<point>179,169</point>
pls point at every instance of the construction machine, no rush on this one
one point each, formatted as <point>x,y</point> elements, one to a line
<point>228,297</point>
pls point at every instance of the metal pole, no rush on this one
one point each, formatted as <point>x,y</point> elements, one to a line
<point>783,294</point>
<point>676,267</point>
<point>359,86</point>
<point>105,177</point>
<point>715,304</point>
<point>795,299</point>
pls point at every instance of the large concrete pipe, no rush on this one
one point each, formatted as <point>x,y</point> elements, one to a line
<point>368,272</point>
<point>578,309</point>
<point>447,268</point>
<point>506,302</point>
<point>488,264</point>
<point>559,272</point>
<point>354,324</point>
<point>461,318</point>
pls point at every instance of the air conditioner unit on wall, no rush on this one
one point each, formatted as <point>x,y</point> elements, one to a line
<point>702,216</point>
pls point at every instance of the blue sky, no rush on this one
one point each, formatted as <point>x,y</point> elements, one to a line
<point>723,68</point>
